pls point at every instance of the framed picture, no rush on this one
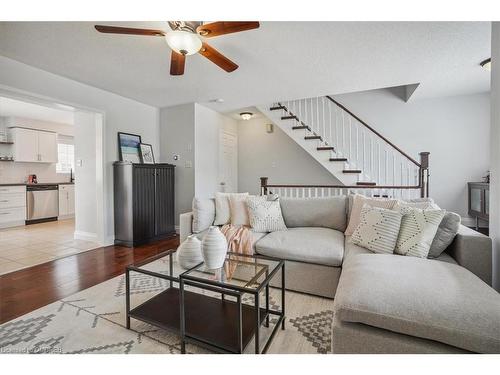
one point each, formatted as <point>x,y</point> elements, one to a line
<point>128,147</point>
<point>147,156</point>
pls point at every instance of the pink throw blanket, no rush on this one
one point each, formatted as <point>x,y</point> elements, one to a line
<point>239,240</point>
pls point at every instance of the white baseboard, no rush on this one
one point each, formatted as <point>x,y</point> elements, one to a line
<point>110,240</point>
<point>65,217</point>
<point>177,229</point>
<point>85,236</point>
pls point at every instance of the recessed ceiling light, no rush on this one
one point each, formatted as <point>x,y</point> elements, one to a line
<point>486,64</point>
<point>246,115</point>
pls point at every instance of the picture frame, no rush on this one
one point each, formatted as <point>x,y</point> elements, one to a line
<point>147,155</point>
<point>128,147</point>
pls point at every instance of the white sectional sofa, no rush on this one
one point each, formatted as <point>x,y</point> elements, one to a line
<point>383,303</point>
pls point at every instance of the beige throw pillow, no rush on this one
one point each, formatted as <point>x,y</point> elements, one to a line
<point>418,229</point>
<point>378,229</point>
<point>358,202</point>
<point>222,209</point>
<point>239,209</point>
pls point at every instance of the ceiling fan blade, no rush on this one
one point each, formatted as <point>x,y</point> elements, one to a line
<point>128,30</point>
<point>177,63</point>
<point>217,58</point>
<point>225,27</point>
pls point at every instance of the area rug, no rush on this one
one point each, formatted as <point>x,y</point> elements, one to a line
<point>93,321</point>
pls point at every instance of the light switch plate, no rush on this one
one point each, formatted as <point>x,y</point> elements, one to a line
<point>79,162</point>
<point>188,164</point>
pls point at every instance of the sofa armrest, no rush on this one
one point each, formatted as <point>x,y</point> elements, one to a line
<point>186,225</point>
<point>473,250</point>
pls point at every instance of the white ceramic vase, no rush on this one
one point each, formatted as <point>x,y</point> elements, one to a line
<point>214,248</point>
<point>189,252</point>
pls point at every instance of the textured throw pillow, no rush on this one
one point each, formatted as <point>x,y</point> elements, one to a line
<point>222,209</point>
<point>418,228</point>
<point>265,215</point>
<point>378,229</point>
<point>422,204</point>
<point>203,214</point>
<point>239,209</point>
<point>358,202</point>
<point>447,230</point>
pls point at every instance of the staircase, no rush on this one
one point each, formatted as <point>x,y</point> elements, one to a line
<point>347,147</point>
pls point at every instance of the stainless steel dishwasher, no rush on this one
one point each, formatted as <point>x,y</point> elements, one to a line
<point>42,203</point>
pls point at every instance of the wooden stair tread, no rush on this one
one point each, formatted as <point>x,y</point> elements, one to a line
<point>289,117</point>
<point>351,171</point>
<point>300,127</point>
<point>338,159</point>
<point>308,137</point>
<point>277,108</point>
<point>364,183</point>
<point>325,148</point>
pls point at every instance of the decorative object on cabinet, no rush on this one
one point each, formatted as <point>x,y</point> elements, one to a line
<point>147,156</point>
<point>128,147</point>
<point>214,248</point>
<point>143,202</point>
<point>479,201</point>
<point>189,252</point>
<point>32,179</point>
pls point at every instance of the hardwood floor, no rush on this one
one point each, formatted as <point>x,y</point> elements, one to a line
<point>31,288</point>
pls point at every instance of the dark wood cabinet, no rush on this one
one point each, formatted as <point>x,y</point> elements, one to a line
<point>479,201</point>
<point>144,202</point>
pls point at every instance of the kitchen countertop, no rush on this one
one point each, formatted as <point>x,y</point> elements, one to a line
<point>40,183</point>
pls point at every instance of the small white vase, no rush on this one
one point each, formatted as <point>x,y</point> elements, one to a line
<point>189,252</point>
<point>214,248</point>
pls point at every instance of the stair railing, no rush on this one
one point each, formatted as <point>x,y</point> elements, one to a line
<point>379,160</point>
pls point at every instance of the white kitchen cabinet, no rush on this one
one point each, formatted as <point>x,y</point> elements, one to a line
<point>35,146</point>
<point>12,206</point>
<point>66,200</point>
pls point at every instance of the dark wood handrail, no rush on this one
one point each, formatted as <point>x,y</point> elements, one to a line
<point>376,132</point>
<point>365,187</point>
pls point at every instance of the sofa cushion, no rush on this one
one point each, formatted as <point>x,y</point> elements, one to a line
<point>311,245</point>
<point>351,249</point>
<point>315,212</point>
<point>203,214</point>
<point>447,230</point>
<point>420,297</point>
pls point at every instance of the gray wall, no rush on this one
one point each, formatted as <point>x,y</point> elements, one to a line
<point>495,154</point>
<point>455,130</point>
<point>177,138</point>
<point>276,156</point>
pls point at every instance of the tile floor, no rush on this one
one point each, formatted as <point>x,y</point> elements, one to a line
<point>29,245</point>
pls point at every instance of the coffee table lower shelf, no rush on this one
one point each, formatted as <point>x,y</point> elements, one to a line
<point>209,320</point>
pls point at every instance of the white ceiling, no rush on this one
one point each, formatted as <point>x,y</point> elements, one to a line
<point>281,60</point>
<point>17,108</point>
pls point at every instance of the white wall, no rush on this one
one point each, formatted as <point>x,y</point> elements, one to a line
<point>455,130</point>
<point>276,156</point>
<point>18,172</point>
<point>85,176</point>
<point>120,114</point>
<point>495,153</point>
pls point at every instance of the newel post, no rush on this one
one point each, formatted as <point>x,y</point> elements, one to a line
<point>424,174</point>
<point>263,185</point>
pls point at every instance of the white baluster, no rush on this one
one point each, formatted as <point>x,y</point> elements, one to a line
<point>350,138</point>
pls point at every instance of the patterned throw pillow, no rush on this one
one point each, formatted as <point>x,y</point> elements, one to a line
<point>358,201</point>
<point>265,215</point>
<point>418,228</point>
<point>378,229</point>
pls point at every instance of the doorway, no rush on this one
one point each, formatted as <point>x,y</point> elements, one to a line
<point>228,163</point>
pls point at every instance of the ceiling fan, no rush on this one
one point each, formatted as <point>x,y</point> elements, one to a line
<point>187,38</point>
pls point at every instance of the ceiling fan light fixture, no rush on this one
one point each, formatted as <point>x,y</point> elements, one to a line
<point>183,42</point>
<point>486,64</point>
<point>246,115</point>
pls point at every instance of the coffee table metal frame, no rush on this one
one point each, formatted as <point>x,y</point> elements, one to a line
<point>185,279</point>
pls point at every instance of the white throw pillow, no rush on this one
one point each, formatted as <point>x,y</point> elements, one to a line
<point>239,209</point>
<point>423,205</point>
<point>378,229</point>
<point>358,202</point>
<point>203,214</point>
<point>222,209</point>
<point>265,214</point>
<point>418,228</point>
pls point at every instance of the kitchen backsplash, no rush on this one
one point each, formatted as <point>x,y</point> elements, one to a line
<point>18,172</point>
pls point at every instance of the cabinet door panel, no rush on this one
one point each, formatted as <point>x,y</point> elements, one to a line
<point>144,202</point>
<point>71,199</point>
<point>25,145</point>
<point>165,220</point>
<point>47,147</point>
<point>63,202</point>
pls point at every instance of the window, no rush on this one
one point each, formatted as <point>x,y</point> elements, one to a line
<point>65,157</point>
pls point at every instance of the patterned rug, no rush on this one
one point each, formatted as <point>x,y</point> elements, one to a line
<point>93,321</point>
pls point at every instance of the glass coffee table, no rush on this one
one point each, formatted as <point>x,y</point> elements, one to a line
<point>222,309</point>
